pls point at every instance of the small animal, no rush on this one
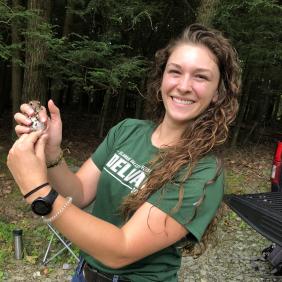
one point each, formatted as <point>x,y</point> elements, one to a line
<point>36,123</point>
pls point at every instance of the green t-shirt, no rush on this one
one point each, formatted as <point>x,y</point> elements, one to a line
<point>123,161</point>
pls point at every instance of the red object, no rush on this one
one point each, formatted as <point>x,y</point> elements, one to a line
<point>276,177</point>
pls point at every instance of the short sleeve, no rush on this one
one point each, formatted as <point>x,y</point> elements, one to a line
<point>195,220</point>
<point>100,156</point>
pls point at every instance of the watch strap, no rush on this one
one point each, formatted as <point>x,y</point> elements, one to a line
<point>51,197</point>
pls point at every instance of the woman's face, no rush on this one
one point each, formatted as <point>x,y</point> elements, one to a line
<point>189,84</point>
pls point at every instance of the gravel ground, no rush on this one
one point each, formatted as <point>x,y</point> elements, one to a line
<point>233,258</point>
<point>236,257</point>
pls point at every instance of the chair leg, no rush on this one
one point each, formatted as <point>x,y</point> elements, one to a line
<point>48,249</point>
<point>66,246</point>
<point>55,255</point>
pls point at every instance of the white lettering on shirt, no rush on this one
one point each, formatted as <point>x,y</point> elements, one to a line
<point>130,173</point>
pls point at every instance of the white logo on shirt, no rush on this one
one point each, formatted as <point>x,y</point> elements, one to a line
<point>126,170</point>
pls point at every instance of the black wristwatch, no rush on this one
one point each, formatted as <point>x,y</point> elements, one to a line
<point>43,205</point>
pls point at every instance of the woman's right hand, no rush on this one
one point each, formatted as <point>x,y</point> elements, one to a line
<point>53,127</point>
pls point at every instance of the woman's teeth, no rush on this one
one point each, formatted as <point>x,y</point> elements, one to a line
<point>181,101</point>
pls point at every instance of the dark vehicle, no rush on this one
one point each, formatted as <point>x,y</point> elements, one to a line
<point>263,212</point>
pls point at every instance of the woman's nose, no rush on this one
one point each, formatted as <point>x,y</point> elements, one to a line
<point>185,84</point>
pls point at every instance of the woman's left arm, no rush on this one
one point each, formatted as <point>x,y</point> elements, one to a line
<point>148,231</point>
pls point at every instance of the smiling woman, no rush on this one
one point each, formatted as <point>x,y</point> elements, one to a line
<point>156,183</point>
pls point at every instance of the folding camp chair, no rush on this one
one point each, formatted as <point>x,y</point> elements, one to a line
<point>66,246</point>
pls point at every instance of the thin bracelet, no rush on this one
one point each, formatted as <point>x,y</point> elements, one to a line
<point>35,189</point>
<point>57,161</point>
<point>59,212</point>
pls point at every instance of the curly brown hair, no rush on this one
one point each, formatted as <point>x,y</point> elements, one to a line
<point>206,132</point>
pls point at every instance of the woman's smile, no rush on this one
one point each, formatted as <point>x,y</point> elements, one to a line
<point>182,101</point>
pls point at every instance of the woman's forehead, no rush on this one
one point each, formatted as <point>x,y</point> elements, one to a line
<point>193,55</point>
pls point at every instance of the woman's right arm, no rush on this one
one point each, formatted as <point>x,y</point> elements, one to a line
<point>82,185</point>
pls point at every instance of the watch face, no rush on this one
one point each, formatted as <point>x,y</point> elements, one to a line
<point>41,207</point>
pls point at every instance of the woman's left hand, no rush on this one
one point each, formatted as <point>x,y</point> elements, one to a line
<point>26,161</point>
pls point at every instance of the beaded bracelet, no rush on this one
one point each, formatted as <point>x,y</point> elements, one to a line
<point>57,161</point>
<point>59,212</point>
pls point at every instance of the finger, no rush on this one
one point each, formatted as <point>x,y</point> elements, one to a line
<point>21,140</point>
<point>19,143</point>
<point>27,109</point>
<point>22,119</point>
<point>43,116</point>
<point>54,111</point>
<point>40,147</point>
<point>20,129</point>
<point>31,138</point>
<point>23,137</point>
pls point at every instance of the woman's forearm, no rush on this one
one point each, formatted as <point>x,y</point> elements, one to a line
<point>96,237</point>
<point>66,183</point>
<point>81,186</point>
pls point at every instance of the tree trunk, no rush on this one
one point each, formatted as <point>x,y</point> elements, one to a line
<point>120,105</point>
<point>68,18</point>
<point>250,133</point>
<point>56,92</point>
<point>206,11</point>
<point>243,101</point>
<point>16,69</point>
<point>139,110</point>
<point>3,86</point>
<point>35,82</point>
<point>16,83</point>
<point>103,116</point>
<point>242,110</point>
<point>275,108</point>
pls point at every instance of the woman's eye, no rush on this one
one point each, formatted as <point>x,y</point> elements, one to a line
<point>174,71</point>
<point>202,77</point>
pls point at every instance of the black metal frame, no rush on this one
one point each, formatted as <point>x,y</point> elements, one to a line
<point>262,211</point>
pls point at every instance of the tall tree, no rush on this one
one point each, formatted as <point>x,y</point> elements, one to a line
<point>206,11</point>
<point>35,81</point>
<point>56,83</point>
<point>16,89</point>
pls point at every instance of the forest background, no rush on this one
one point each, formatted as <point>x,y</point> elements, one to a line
<point>92,56</point>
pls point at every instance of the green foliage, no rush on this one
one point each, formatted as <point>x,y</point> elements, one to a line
<point>235,182</point>
<point>18,18</point>
<point>233,217</point>
<point>92,65</point>
<point>6,242</point>
<point>107,45</point>
<point>6,232</point>
<point>88,65</point>
<point>255,29</point>
<point>254,26</point>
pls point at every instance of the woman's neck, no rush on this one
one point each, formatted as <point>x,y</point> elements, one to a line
<point>166,134</point>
